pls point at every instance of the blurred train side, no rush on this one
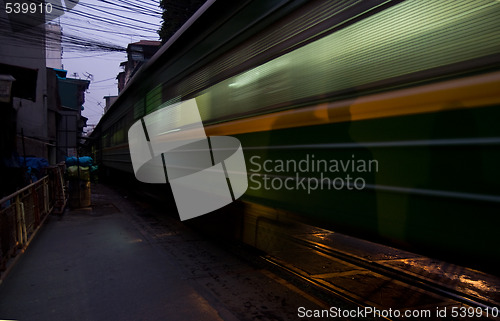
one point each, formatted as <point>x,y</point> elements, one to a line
<point>414,85</point>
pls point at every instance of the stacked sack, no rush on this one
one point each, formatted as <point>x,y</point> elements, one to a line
<point>80,168</point>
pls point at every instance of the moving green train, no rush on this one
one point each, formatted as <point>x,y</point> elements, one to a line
<point>380,118</point>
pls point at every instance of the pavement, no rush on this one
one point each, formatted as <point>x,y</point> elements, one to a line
<point>96,264</point>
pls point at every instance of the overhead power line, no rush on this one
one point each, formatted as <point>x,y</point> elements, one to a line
<point>96,28</point>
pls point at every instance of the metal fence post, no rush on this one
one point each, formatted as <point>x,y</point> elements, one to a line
<point>21,222</point>
<point>46,195</point>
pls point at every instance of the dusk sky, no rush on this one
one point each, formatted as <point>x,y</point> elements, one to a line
<point>111,24</point>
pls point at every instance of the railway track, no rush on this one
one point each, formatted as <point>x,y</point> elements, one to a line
<point>331,267</point>
<point>378,282</point>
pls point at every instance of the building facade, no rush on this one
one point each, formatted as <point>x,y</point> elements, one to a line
<point>40,106</point>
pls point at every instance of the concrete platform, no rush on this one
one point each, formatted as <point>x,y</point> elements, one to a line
<point>95,264</point>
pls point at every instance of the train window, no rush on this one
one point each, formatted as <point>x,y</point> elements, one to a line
<point>153,99</point>
<point>139,109</point>
<point>371,53</point>
<point>105,139</point>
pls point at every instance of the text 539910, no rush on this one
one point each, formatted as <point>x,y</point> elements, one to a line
<point>27,7</point>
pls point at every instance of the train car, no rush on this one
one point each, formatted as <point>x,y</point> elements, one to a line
<point>379,117</point>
